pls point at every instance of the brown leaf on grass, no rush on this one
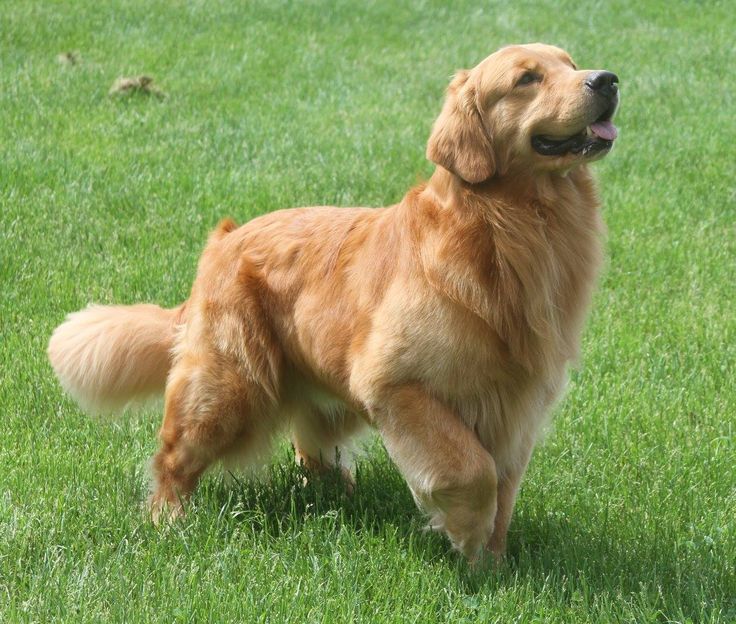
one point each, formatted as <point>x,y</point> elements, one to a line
<point>68,58</point>
<point>135,85</point>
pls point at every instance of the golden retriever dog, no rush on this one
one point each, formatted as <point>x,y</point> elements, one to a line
<point>445,322</point>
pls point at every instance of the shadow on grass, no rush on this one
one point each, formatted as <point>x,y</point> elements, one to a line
<point>279,501</point>
<point>548,550</point>
<point>581,561</point>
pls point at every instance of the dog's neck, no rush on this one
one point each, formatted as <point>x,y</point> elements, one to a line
<point>542,190</point>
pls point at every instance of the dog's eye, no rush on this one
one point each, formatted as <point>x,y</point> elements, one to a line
<point>528,78</point>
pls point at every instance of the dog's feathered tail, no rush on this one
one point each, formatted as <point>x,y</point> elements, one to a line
<point>107,357</point>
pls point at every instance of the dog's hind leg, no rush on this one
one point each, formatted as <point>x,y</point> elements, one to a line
<point>211,410</point>
<point>321,440</point>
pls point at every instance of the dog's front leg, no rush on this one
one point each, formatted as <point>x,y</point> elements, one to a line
<point>508,487</point>
<point>452,477</point>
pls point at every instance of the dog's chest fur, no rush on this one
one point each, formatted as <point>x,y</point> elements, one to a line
<point>525,269</point>
<point>512,284</point>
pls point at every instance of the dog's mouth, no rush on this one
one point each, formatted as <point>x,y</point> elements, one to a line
<point>594,138</point>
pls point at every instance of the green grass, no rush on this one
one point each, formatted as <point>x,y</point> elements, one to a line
<point>628,511</point>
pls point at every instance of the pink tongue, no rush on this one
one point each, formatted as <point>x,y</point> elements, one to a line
<point>605,130</point>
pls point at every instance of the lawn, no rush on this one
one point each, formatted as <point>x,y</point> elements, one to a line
<point>628,511</point>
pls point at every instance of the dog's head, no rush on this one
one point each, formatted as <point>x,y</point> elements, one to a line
<point>524,108</point>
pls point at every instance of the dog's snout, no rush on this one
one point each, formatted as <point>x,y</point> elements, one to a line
<point>603,82</point>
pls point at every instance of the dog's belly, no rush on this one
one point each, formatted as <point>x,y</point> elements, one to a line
<point>306,394</point>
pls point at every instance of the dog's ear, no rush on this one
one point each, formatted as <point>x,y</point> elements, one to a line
<point>459,141</point>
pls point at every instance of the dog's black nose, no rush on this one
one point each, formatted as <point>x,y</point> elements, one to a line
<point>603,82</point>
